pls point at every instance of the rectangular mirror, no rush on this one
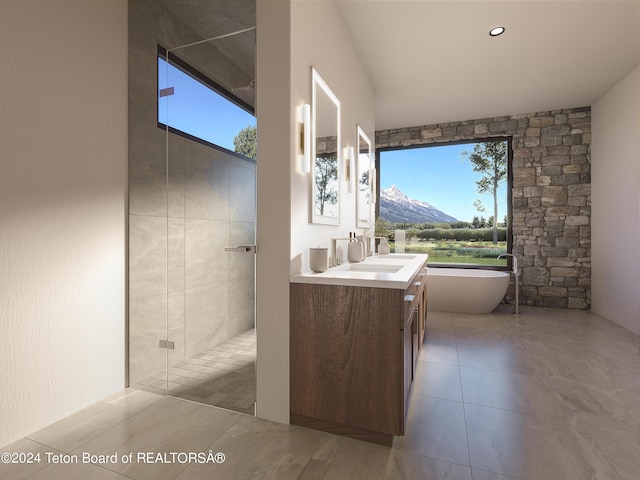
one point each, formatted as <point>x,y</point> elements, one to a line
<point>325,153</point>
<point>364,179</point>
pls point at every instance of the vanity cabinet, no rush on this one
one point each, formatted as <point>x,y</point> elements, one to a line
<point>414,329</point>
<point>354,356</point>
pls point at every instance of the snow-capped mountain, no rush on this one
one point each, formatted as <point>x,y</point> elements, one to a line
<point>396,207</point>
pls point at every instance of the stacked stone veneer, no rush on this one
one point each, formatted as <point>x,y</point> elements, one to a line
<point>551,196</point>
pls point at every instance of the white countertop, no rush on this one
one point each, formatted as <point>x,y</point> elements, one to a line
<point>394,270</point>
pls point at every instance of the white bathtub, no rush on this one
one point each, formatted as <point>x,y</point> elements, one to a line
<point>461,290</point>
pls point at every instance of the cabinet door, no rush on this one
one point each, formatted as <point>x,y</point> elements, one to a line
<point>422,315</point>
<point>408,368</point>
<point>415,340</point>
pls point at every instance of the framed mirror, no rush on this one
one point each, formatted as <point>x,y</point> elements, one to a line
<point>364,181</point>
<point>325,153</point>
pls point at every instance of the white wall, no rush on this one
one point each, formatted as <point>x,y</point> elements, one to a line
<point>615,161</point>
<point>273,109</point>
<point>321,39</point>
<point>293,35</point>
<point>63,154</point>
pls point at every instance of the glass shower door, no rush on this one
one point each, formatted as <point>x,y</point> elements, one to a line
<point>211,206</point>
<point>191,194</point>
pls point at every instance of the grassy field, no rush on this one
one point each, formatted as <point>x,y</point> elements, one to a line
<point>452,251</point>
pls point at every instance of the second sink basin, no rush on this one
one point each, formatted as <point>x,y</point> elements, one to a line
<point>370,267</point>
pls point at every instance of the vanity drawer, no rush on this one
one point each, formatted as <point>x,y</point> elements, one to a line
<point>413,292</point>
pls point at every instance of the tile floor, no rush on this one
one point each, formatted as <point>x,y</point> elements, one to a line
<point>222,376</point>
<point>550,394</point>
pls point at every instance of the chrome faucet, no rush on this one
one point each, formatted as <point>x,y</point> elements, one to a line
<point>514,269</point>
<point>515,261</point>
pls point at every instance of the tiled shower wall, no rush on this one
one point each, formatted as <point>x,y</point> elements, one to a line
<point>179,277</point>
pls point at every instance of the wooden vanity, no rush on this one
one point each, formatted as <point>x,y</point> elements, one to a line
<point>354,352</point>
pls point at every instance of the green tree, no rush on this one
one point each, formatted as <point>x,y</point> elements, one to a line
<point>412,232</point>
<point>246,142</point>
<point>490,160</point>
<point>461,224</point>
<point>383,227</point>
<point>326,172</point>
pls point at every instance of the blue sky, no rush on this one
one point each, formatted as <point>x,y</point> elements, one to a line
<point>196,109</point>
<point>438,176</point>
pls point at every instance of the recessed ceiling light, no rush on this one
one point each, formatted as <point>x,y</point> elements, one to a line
<point>494,32</point>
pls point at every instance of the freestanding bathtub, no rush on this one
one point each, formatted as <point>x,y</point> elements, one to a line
<point>462,290</point>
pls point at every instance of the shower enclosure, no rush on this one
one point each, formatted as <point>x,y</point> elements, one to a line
<point>191,303</point>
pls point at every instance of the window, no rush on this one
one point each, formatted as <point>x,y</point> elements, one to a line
<point>191,104</point>
<point>451,201</point>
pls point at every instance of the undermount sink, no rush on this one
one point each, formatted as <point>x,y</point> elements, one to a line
<point>368,267</point>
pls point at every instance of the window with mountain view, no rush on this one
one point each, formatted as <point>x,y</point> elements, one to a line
<point>450,201</point>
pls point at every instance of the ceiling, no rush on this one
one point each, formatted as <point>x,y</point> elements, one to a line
<point>433,61</point>
<point>230,62</point>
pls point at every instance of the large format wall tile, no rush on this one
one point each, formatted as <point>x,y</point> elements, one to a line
<point>176,241</point>
<point>176,162</point>
<point>206,317</point>
<point>205,259</point>
<point>206,184</point>
<point>147,324</point>
<point>151,320</point>
<point>148,192</point>
<point>147,256</point>
<point>242,266</point>
<point>147,169</point>
<point>242,191</point>
<point>241,306</point>
<point>175,327</point>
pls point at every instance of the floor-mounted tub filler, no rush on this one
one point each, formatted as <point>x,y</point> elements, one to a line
<point>514,262</point>
<point>465,290</point>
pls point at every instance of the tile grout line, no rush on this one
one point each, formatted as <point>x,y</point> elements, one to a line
<point>464,410</point>
<point>129,417</point>
<point>333,457</point>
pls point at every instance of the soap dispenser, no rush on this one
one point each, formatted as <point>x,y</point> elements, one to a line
<point>383,247</point>
<point>355,249</point>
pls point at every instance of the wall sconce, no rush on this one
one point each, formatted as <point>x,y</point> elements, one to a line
<point>374,185</point>
<point>348,167</point>
<point>304,137</point>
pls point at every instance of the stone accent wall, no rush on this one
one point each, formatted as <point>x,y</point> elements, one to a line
<point>551,196</point>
